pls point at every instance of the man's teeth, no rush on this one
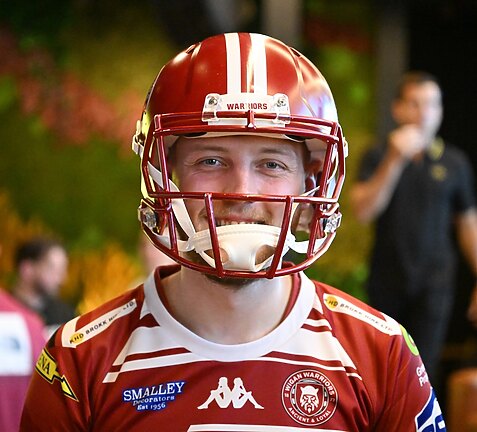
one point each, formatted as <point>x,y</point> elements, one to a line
<point>223,223</point>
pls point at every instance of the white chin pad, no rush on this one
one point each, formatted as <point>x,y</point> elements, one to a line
<point>239,245</point>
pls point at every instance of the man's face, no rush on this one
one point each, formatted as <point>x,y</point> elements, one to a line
<point>421,105</point>
<point>50,272</point>
<point>239,164</point>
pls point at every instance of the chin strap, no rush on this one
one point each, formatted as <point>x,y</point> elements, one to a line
<point>240,242</point>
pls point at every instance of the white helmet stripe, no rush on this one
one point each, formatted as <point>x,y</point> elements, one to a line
<point>234,77</point>
<point>259,66</point>
<point>259,63</point>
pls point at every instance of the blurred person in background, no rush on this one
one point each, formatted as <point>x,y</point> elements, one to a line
<point>151,256</point>
<point>41,267</point>
<point>420,191</point>
<point>21,340</point>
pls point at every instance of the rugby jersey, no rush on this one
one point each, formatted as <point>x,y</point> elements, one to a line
<point>333,364</point>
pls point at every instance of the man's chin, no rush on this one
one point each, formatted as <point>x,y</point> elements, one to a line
<point>229,282</point>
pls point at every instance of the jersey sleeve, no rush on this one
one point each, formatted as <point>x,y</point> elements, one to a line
<point>55,399</point>
<point>65,388</point>
<point>410,403</point>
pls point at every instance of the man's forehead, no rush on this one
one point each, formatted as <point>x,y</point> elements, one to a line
<point>426,89</point>
<point>234,143</point>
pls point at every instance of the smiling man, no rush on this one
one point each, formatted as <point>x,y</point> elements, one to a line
<point>242,165</point>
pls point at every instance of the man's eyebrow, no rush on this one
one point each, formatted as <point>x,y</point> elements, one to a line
<point>281,150</point>
<point>273,149</point>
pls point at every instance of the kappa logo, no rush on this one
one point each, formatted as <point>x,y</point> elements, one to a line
<point>224,396</point>
<point>309,397</point>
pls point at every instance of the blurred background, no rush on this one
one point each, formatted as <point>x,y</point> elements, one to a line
<point>74,74</point>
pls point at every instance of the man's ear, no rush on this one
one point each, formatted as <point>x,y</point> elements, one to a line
<point>313,173</point>
<point>310,182</point>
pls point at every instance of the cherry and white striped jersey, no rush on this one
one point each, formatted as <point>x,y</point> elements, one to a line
<point>333,364</point>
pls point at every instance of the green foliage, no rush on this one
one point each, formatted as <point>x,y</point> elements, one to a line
<point>352,282</point>
<point>8,92</point>
<point>70,54</point>
<point>86,193</point>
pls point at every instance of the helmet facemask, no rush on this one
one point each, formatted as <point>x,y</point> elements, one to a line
<point>242,250</point>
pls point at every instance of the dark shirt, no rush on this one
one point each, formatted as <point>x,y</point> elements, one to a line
<point>414,233</point>
<point>56,311</point>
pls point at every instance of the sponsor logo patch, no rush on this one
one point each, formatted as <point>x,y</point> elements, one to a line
<point>430,418</point>
<point>155,397</point>
<point>47,368</point>
<point>341,305</point>
<point>422,375</point>
<point>309,397</point>
<point>410,341</point>
<point>98,325</point>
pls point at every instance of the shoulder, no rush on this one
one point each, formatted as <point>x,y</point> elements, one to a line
<point>340,305</point>
<point>455,154</point>
<point>113,319</point>
<point>360,328</point>
<point>380,348</point>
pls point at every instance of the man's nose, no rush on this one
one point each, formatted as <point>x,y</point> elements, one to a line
<point>241,181</point>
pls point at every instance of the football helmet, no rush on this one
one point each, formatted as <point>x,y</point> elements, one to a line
<point>240,83</point>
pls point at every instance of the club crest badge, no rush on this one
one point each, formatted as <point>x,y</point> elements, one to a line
<point>309,397</point>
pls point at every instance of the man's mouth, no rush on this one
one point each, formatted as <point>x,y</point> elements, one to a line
<point>226,222</point>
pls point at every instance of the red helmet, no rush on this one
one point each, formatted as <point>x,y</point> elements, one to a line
<point>240,83</point>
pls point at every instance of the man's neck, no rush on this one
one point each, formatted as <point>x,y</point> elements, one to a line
<point>224,313</point>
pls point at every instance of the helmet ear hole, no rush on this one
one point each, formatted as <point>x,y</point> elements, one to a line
<point>302,219</point>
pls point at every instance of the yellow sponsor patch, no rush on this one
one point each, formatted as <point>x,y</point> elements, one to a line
<point>409,341</point>
<point>77,338</point>
<point>339,304</point>
<point>331,302</point>
<point>46,366</point>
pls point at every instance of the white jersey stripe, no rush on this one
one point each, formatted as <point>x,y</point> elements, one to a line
<point>189,358</point>
<point>234,75</point>
<point>151,363</point>
<point>146,340</point>
<point>318,323</point>
<point>259,63</point>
